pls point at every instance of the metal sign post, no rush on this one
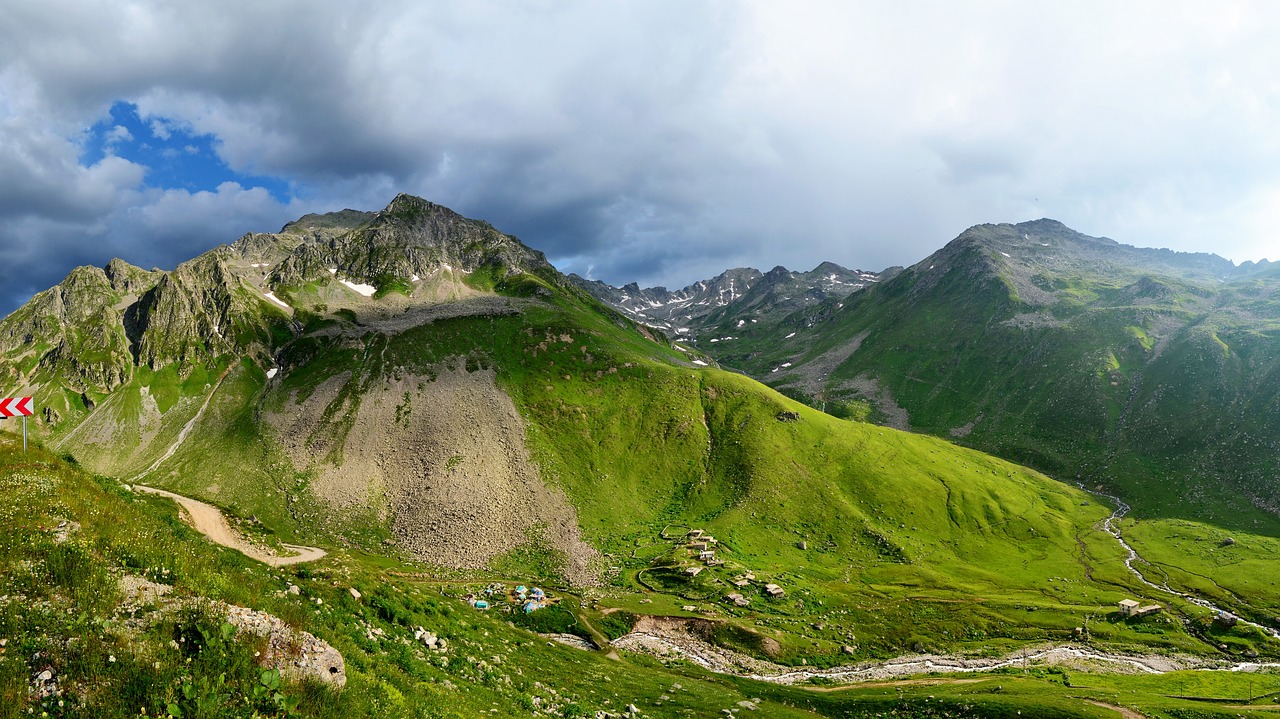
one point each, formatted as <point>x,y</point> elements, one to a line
<point>17,407</point>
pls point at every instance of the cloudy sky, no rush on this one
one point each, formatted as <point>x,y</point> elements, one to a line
<point>653,141</point>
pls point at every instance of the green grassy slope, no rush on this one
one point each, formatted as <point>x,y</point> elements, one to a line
<point>1144,373</point>
<point>61,612</point>
<point>909,541</point>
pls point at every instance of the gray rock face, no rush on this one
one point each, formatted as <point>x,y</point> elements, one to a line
<point>97,325</point>
<point>188,315</point>
<point>75,326</point>
<point>297,654</point>
<point>410,237</point>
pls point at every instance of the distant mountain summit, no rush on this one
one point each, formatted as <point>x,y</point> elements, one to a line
<point>678,310</point>
<point>1048,246</point>
<point>741,295</point>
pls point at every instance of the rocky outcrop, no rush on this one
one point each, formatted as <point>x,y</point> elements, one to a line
<point>297,654</point>
<point>95,326</point>
<point>411,237</point>
<point>260,248</point>
<point>129,280</point>
<point>75,327</point>
<point>197,312</point>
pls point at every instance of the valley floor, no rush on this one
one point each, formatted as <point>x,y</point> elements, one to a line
<point>671,638</point>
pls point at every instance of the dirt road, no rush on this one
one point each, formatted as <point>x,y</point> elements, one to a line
<point>208,520</point>
<point>1125,712</point>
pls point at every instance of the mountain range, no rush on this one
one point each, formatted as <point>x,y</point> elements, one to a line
<point>426,397</point>
<point>1147,372</point>
<point>724,300</point>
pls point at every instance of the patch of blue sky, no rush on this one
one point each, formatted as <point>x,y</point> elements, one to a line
<point>175,158</point>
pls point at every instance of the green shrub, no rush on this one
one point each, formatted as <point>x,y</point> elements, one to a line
<point>617,624</point>
<point>554,619</point>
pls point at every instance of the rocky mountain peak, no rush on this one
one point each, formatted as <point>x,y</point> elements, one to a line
<point>1045,225</point>
<point>97,325</point>
<point>342,220</point>
<point>411,237</point>
<point>127,278</point>
<point>828,268</point>
<point>406,206</point>
<point>731,299</point>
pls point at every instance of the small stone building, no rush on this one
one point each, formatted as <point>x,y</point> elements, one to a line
<point>1130,608</point>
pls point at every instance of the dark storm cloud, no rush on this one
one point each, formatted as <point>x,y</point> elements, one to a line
<point>654,141</point>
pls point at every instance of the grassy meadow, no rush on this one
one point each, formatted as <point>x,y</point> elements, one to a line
<point>61,612</point>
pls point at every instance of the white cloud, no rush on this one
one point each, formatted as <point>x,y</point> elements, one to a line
<point>160,128</point>
<point>664,141</point>
<point>117,135</point>
<point>221,215</point>
<point>41,174</point>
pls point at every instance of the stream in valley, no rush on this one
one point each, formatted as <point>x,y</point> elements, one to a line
<point>1110,525</point>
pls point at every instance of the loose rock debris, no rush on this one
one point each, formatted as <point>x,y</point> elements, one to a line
<point>296,653</point>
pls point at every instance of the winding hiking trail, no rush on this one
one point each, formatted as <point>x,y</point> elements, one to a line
<point>208,520</point>
<point>1125,712</point>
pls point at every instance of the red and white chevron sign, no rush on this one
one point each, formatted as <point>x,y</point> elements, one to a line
<point>15,407</point>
